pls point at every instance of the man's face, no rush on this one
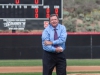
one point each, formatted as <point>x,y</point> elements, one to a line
<point>54,21</point>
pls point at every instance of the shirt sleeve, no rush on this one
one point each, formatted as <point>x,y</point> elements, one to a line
<point>62,38</point>
<point>45,36</point>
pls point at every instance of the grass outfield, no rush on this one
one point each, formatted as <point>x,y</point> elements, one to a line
<point>70,62</point>
<point>23,74</point>
<point>39,73</point>
<point>20,73</point>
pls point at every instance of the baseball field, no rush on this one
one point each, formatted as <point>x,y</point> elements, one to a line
<point>34,67</point>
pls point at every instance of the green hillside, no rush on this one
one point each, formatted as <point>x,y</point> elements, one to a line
<point>81,15</point>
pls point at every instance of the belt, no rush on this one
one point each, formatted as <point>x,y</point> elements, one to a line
<point>53,52</point>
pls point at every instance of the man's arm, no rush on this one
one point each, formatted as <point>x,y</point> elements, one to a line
<point>45,37</point>
<point>49,48</point>
<point>62,38</point>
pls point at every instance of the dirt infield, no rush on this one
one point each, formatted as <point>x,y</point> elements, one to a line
<point>39,69</point>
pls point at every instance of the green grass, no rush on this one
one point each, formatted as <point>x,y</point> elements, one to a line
<point>39,73</point>
<point>23,73</point>
<point>20,62</point>
<point>70,62</point>
<point>83,62</point>
<point>20,73</point>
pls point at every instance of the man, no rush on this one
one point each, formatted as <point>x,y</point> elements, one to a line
<point>53,42</point>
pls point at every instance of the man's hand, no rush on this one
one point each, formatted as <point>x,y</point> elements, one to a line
<point>47,42</point>
<point>59,49</point>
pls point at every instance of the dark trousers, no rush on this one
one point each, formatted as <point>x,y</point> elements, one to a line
<point>51,60</point>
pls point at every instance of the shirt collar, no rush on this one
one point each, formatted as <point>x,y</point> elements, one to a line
<point>54,28</point>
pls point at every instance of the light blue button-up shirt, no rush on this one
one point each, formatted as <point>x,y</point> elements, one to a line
<point>48,34</point>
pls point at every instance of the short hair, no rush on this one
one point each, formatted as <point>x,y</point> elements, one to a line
<point>53,15</point>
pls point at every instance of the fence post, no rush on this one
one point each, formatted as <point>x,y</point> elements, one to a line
<point>91,45</point>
